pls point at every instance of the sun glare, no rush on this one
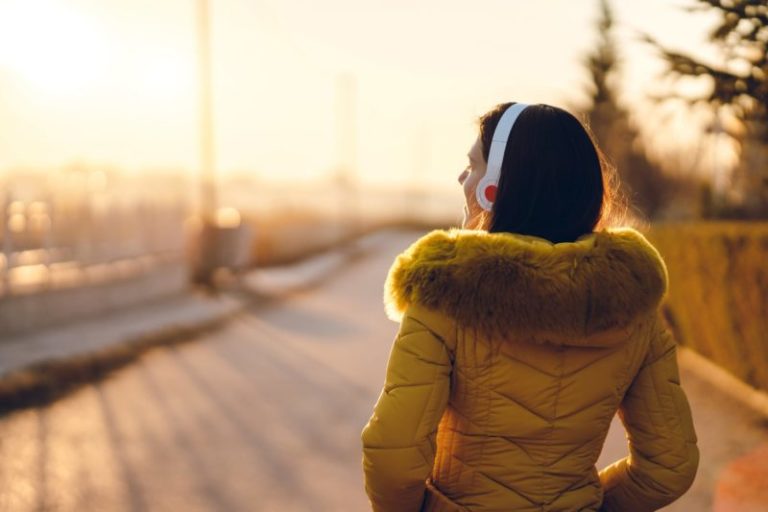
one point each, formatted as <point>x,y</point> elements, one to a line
<point>50,46</point>
<point>167,73</point>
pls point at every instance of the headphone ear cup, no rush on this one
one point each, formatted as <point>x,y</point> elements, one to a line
<point>486,193</point>
<point>490,193</point>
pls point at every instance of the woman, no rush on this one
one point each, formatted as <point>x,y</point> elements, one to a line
<point>522,337</point>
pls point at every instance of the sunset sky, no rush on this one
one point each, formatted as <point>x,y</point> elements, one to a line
<point>115,81</point>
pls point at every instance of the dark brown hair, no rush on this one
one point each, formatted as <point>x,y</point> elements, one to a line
<point>555,183</point>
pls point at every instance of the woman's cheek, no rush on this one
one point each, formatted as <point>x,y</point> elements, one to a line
<point>469,192</point>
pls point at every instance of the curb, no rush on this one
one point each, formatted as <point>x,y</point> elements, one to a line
<point>708,371</point>
<point>275,283</point>
<point>42,383</point>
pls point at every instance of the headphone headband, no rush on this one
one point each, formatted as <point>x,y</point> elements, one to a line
<point>486,189</point>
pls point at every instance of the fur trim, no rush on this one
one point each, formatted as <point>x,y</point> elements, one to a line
<point>575,293</point>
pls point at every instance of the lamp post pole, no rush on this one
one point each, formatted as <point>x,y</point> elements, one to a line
<point>346,134</point>
<point>208,198</point>
<point>205,247</point>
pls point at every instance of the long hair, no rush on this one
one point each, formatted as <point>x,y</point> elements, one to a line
<point>555,182</point>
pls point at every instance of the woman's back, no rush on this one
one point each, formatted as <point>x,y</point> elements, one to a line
<point>522,351</point>
<point>515,352</point>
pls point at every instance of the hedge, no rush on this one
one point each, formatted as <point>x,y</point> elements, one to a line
<point>718,294</point>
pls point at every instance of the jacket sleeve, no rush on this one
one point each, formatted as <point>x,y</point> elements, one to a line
<point>399,439</point>
<point>663,456</point>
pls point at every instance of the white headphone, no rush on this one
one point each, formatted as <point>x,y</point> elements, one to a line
<point>486,189</point>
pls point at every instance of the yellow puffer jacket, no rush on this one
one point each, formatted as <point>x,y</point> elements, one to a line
<point>513,356</point>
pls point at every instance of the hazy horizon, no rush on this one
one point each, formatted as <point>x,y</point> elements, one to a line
<point>116,82</point>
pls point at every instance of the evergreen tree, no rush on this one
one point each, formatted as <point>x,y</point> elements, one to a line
<point>607,119</point>
<point>641,181</point>
<point>740,85</point>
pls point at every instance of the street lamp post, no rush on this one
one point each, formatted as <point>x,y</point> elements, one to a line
<point>208,199</point>
<point>203,261</point>
<point>346,134</point>
<point>223,240</point>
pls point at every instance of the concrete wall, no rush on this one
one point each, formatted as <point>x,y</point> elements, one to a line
<point>45,308</point>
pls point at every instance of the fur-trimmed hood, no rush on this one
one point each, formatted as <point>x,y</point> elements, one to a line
<point>583,293</point>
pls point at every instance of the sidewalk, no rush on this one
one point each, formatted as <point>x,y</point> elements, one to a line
<point>37,367</point>
<point>731,422</point>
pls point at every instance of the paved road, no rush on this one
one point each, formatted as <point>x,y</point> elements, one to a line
<point>263,415</point>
